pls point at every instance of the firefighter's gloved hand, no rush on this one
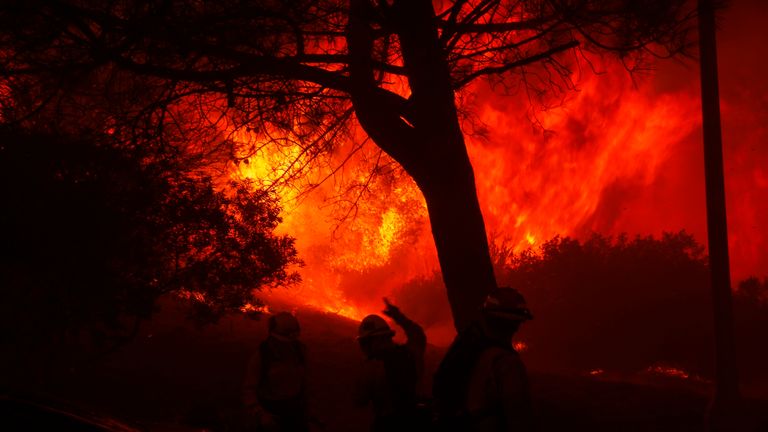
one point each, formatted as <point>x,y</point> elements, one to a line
<point>392,311</point>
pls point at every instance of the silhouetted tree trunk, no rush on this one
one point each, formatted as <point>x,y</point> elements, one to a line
<point>430,146</point>
<point>726,390</point>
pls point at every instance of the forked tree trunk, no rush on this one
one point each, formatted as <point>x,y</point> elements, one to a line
<point>430,145</point>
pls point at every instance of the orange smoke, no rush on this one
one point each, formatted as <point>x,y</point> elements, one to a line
<point>536,182</point>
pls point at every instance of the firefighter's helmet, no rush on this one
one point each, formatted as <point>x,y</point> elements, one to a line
<point>284,324</point>
<point>374,325</point>
<point>506,303</point>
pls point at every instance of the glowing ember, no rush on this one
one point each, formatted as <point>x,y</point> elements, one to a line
<point>520,346</point>
<point>668,371</point>
<point>192,295</point>
<point>675,372</point>
<point>253,309</point>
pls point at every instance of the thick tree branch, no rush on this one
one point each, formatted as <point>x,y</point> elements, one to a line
<point>383,124</point>
<point>342,59</point>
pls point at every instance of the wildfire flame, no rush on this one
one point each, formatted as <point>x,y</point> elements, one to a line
<point>533,183</point>
<point>619,155</point>
<point>553,181</point>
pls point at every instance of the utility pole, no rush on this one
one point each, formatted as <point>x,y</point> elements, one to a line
<point>723,412</point>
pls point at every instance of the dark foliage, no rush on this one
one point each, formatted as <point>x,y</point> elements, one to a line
<point>93,236</point>
<point>624,305</point>
<point>616,303</point>
<point>750,304</point>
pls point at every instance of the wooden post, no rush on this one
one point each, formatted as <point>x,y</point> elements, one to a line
<point>725,404</point>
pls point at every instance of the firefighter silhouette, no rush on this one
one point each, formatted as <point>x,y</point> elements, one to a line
<point>391,371</point>
<point>481,384</point>
<point>275,389</point>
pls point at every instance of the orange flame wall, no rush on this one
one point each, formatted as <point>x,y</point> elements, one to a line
<point>617,157</point>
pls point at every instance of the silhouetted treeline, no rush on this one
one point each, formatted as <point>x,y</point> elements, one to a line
<point>750,303</point>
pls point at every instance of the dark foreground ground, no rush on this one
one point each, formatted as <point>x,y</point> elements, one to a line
<point>176,377</point>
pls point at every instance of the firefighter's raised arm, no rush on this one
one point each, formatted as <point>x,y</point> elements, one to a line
<point>416,339</point>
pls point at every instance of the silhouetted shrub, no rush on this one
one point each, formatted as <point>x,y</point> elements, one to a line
<point>92,236</point>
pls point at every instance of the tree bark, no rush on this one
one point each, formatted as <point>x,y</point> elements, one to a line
<point>430,145</point>
<point>459,232</point>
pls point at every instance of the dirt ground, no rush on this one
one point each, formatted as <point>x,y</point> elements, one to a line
<point>176,377</point>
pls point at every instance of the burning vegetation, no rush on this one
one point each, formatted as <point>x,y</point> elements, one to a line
<point>407,169</point>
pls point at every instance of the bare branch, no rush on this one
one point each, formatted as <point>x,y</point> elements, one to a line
<point>495,70</point>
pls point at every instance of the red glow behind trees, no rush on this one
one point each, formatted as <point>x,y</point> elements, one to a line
<point>305,67</point>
